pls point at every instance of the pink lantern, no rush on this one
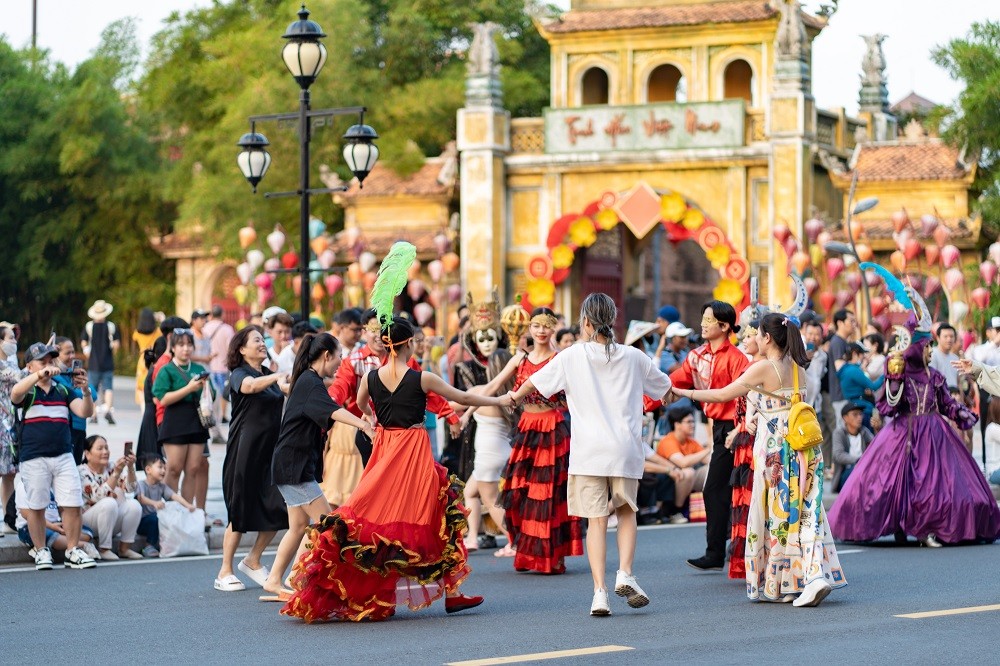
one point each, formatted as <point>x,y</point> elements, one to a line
<point>932,253</point>
<point>423,313</point>
<point>931,286</point>
<point>264,295</point>
<point>353,235</point>
<point>928,223</point>
<point>900,220</point>
<point>792,245</point>
<point>941,235</point>
<point>823,238</point>
<point>981,297</point>
<point>953,279</point>
<point>901,238</point>
<point>782,233</point>
<point>415,289</point>
<point>995,253</point>
<point>811,285</point>
<point>854,281</point>
<point>244,272</point>
<point>844,296</point>
<point>333,283</point>
<point>276,240</point>
<point>454,293</point>
<point>872,279</point>
<point>834,267</point>
<point>326,258</point>
<point>435,270</point>
<point>441,243</point>
<point>813,228</point>
<point>272,264</point>
<point>434,297</point>
<point>988,271</point>
<point>912,249</point>
<point>949,255</point>
<point>264,281</point>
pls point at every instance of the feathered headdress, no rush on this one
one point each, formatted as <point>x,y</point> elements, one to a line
<point>391,280</point>
<point>906,296</point>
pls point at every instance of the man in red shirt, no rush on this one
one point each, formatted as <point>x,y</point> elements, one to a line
<point>715,364</point>
<point>373,355</point>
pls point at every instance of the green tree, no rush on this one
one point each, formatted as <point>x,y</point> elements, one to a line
<point>974,121</point>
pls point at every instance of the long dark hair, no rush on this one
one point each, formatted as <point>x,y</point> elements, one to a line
<point>311,348</point>
<point>147,322</point>
<point>158,349</point>
<point>234,358</point>
<point>786,336</point>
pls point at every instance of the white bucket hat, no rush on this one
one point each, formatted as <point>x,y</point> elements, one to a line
<point>100,310</point>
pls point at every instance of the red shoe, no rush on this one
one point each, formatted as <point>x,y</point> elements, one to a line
<point>461,603</point>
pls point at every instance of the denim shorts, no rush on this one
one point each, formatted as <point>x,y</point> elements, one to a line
<point>300,494</point>
<point>219,380</point>
<point>102,380</point>
<point>50,536</point>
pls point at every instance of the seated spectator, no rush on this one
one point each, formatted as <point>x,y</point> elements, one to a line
<point>46,452</point>
<point>106,510</point>
<point>854,383</point>
<point>55,533</point>
<point>565,338</point>
<point>850,440</point>
<point>152,493</point>
<point>680,448</point>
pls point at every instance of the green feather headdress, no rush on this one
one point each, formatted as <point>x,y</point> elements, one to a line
<point>391,281</point>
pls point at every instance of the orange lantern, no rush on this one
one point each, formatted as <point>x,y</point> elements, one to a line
<point>864,252</point>
<point>450,261</point>
<point>318,292</point>
<point>319,244</point>
<point>247,236</point>
<point>368,280</point>
<point>801,262</point>
<point>898,261</point>
<point>354,272</point>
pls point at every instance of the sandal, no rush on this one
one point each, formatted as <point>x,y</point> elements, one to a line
<point>471,547</point>
<point>229,584</point>
<point>506,551</point>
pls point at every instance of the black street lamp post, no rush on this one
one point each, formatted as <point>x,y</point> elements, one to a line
<point>849,248</point>
<point>305,55</point>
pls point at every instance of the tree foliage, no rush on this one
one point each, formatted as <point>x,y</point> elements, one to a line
<point>974,121</point>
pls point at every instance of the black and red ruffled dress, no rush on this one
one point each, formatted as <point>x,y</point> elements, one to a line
<point>742,482</point>
<point>533,484</point>
<point>398,539</point>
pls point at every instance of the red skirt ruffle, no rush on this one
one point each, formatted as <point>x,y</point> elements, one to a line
<point>397,540</point>
<point>742,483</point>
<point>533,494</point>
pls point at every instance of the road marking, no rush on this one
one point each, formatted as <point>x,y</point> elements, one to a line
<point>850,551</point>
<point>539,656</point>
<point>951,611</point>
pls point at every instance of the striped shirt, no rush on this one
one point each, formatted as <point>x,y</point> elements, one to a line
<point>46,431</point>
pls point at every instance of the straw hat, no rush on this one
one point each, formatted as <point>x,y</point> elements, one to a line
<point>100,310</point>
<point>638,329</point>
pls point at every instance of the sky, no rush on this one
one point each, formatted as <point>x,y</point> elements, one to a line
<point>71,29</point>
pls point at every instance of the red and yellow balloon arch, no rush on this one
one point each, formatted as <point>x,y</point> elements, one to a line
<point>682,220</point>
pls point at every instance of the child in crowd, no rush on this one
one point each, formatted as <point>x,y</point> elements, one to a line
<point>153,494</point>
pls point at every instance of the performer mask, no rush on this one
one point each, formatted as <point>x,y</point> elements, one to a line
<point>487,342</point>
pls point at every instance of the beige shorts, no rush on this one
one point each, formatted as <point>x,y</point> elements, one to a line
<point>588,495</point>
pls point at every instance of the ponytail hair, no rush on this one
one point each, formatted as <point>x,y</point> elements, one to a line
<point>600,310</point>
<point>311,348</point>
<point>786,337</point>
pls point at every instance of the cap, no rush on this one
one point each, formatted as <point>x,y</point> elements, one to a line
<point>995,322</point>
<point>199,314</point>
<point>270,312</point>
<point>850,407</point>
<point>637,330</point>
<point>669,313</point>
<point>677,329</point>
<point>40,350</point>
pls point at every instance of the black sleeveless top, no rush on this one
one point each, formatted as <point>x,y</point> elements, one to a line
<point>401,408</point>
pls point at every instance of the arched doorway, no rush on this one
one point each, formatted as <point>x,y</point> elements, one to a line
<point>226,281</point>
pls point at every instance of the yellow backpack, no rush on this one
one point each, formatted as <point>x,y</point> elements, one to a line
<point>804,431</point>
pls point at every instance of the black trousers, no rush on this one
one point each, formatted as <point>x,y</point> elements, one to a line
<point>364,446</point>
<point>718,493</point>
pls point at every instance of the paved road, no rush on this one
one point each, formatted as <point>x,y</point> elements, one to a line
<point>167,612</point>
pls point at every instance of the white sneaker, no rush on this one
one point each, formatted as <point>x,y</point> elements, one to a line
<point>678,519</point>
<point>258,576</point>
<point>626,586</point>
<point>91,551</point>
<point>43,559</point>
<point>77,559</point>
<point>813,594</point>
<point>600,605</point>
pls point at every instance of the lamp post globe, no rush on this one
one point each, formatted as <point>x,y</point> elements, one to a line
<point>254,159</point>
<point>361,153</point>
<point>304,54</point>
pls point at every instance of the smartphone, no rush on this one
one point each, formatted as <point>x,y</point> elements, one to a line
<point>203,375</point>
<point>128,448</point>
<point>77,365</point>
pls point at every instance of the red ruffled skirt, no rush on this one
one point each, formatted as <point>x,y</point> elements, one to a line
<point>397,540</point>
<point>742,483</point>
<point>533,494</point>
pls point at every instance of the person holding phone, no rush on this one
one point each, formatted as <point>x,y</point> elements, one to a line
<point>68,365</point>
<point>107,510</point>
<point>178,387</point>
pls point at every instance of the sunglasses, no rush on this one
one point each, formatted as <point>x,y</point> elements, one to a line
<point>183,331</point>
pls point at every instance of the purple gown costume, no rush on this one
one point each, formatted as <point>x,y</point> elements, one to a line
<point>917,476</point>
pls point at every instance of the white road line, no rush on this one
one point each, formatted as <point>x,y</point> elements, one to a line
<point>539,656</point>
<point>951,611</point>
<point>850,551</point>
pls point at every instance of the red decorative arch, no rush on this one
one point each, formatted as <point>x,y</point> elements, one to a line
<point>681,218</point>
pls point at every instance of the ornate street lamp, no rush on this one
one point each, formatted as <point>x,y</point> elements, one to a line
<point>849,248</point>
<point>304,56</point>
<point>254,159</point>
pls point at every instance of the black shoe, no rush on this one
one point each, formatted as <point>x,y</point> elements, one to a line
<point>225,420</point>
<point>703,563</point>
<point>487,541</point>
<point>109,418</point>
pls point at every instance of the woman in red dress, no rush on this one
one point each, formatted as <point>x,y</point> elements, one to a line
<point>398,539</point>
<point>533,484</point>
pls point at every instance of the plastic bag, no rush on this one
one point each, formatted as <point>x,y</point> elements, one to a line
<point>182,532</point>
<point>206,411</point>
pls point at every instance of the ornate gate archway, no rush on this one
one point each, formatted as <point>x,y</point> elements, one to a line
<point>640,209</point>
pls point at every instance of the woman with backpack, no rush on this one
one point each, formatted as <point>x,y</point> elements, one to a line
<point>790,554</point>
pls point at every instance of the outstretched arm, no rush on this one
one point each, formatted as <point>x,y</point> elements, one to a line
<point>754,376</point>
<point>431,382</point>
<point>986,376</point>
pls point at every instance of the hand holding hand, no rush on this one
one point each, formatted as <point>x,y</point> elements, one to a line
<point>506,401</point>
<point>513,398</point>
<point>463,422</point>
<point>455,429</point>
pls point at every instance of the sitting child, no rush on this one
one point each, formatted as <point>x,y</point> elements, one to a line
<point>152,494</point>
<point>55,535</point>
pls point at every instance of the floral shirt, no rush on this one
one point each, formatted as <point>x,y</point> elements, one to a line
<point>95,485</point>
